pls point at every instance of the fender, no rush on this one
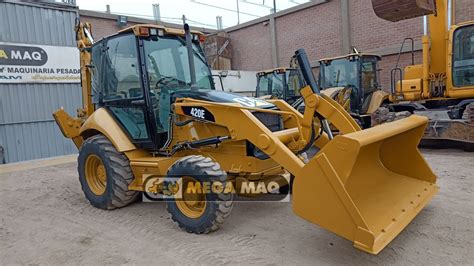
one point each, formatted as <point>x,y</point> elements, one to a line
<point>103,122</point>
<point>378,97</point>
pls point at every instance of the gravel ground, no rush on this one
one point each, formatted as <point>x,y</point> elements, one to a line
<point>45,219</point>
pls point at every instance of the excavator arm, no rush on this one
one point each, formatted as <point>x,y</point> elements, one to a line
<point>69,126</point>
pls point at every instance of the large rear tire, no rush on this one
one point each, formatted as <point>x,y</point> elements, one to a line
<point>104,174</point>
<point>201,213</point>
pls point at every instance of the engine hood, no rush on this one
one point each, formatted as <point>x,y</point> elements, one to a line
<point>223,97</point>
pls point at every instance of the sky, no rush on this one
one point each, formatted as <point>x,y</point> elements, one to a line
<point>199,12</point>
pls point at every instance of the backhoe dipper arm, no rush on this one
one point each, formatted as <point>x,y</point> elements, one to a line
<point>84,43</point>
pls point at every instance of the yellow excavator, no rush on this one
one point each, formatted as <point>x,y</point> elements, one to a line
<point>442,86</point>
<point>152,122</point>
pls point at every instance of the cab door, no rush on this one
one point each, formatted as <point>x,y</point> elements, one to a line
<point>118,88</point>
<point>368,82</point>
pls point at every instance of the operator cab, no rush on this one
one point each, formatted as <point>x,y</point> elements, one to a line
<point>463,56</point>
<point>280,83</point>
<point>355,71</point>
<point>135,74</point>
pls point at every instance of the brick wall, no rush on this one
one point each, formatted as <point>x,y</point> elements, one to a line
<point>102,27</point>
<point>370,32</point>
<point>312,29</point>
<point>251,48</point>
<point>318,29</point>
<point>464,10</point>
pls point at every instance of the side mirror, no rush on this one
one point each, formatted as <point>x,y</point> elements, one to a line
<point>220,80</point>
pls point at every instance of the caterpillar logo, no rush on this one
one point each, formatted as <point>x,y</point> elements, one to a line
<point>22,55</point>
<point>251,102</point>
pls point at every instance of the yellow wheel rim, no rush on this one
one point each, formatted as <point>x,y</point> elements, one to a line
<point>96,175</point>
<point>192,205</point>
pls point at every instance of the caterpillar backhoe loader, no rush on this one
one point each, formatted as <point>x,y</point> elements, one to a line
<point>442,86</point>
<point>150,109</point>
<point>279,83</point>
<point>351,80</point>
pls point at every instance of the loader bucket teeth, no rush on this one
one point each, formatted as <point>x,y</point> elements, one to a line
<point>371,194</point>
<point>396,10</point>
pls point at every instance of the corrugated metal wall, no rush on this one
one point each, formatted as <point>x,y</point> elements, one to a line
<point>27,128</point>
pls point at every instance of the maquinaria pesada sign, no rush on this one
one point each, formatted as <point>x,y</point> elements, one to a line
<point>28,63</point>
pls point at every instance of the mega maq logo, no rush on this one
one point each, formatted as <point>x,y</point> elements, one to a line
<point>22,55</point>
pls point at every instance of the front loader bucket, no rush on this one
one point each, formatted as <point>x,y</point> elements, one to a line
<point>368,185</point>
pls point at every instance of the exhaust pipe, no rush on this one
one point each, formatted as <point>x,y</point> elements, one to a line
<point>189,46</point>
<point>307,73</point>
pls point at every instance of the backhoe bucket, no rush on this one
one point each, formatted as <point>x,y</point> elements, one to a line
<point>396,10</point>
<point>368,185</point>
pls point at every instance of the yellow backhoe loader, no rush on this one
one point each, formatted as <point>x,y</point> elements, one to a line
<point>442,86</point>
<point>150,109</point>
<point>351,80</point>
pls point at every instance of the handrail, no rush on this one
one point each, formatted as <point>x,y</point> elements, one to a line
<point>412,51</point>
<point>393,72</point>
<point>393,82</point>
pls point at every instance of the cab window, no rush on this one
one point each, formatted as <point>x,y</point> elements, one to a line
<point>369,75</point>
<point>463,57</point>
<point>123,78</point>
<point>116,84</point>
<point>263,85</point>
<point>294,83</point>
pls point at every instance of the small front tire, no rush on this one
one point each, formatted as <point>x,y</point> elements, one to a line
<point>205,212</point>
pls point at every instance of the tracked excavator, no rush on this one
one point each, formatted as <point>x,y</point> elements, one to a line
<point>150,109</point>
<point>442,86</point>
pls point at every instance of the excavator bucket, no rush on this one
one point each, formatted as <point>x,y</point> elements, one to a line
<point>396,10</point>
<point>368,185</point>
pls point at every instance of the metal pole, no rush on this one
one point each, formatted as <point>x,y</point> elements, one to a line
<point>425,25</point>
<point>450,13</point>
<point>274,6</point>
<point>238,13</point>
<point>219,22</point>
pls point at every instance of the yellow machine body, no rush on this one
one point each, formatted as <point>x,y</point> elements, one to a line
<point>364,185</point>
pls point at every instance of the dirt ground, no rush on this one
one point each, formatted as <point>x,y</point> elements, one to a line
<point>45,219</point>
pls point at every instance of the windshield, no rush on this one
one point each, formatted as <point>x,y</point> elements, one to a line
<point>339,73</point>
<point>271,84</point>
<point>167,64</point>
<point>294,83</point>
<point>168,71</point>
<point>463,57</point>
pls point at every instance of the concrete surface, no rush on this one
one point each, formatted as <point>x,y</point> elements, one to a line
<point>46,220</point>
